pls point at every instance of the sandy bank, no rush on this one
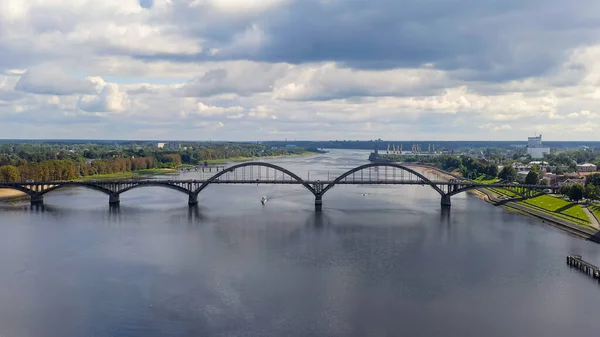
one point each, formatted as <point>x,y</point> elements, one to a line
<point>6,194</point>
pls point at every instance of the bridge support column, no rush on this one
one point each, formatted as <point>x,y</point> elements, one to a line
<point>446,200</point>
<point>193,200</point>
<point>37,199</point>
<point>318,202</point>
<point>114,199</point>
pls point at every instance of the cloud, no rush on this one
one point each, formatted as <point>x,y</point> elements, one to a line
<point>207,110</point>
<point>242,78</point>
<point>496,40</point>
<point>110,99</point>
<point>324,69</point>
<point>49,81</point>
<point>502,127</point>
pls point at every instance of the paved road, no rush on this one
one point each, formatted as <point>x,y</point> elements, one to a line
<point>593,221</point>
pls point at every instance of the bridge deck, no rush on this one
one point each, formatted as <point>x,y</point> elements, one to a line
<point>276,181</point>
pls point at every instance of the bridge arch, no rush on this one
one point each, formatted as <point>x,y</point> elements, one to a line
<point>155,184</point>
<point>65,185</point>
<point>398,166</point>
<point>261,164</point>
<point>17,187</point>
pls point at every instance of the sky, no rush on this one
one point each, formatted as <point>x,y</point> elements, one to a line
<point>300,69</point>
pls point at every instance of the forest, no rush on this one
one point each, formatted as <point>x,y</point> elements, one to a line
<point>66,161</point>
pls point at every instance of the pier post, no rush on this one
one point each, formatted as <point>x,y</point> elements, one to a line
<point>114,199</point>
<point>446,200</point>
<point>37,199</point>
<point>193,200</point>
<point>318,202</point>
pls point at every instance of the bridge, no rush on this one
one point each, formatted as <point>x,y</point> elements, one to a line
<point>265,173</point>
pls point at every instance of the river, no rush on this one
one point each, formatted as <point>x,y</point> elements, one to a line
<point>388,263</point>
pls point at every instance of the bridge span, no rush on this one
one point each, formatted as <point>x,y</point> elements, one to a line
<point>266,173</point>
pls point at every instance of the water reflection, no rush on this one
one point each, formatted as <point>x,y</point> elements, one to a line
<point>445,215</point>
<point>195,215</point>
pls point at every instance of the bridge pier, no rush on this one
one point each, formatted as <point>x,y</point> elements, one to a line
<point>446,201</point>
<point>318,202</point>
<point>193,200</point>
<point>37,199</point>
<point>114,199</point>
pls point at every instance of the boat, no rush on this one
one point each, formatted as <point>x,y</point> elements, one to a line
<point>264,200</point>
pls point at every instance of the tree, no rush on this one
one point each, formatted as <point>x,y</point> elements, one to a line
<point>9,174</point>
<point>532,178</point>
<point>593,179</point>
<point>492,170</point>
<point>576,192</point>
<point>565,189</point>
<point>591,192</point>
<point>559,171</point>
<point>508,173</point>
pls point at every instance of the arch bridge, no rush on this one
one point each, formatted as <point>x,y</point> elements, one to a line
<point>266,173</point>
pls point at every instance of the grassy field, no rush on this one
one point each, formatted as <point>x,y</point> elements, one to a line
<point>485,180</point>
<point>557,206</point>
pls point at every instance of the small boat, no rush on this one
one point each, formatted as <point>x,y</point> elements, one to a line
<point>264,200</point>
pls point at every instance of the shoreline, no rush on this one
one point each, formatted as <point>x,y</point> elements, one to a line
<point>514,207</point>
<point>8,194</point>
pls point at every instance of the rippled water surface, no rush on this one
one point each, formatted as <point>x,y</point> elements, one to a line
<point>388,263</point>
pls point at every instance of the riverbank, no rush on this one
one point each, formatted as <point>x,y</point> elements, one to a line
<point>6,194</point>
<point>542,210</point>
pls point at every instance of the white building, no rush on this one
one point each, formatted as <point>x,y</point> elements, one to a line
<point>170,145</point>
<point>587,167</point>
<point>534,147</point>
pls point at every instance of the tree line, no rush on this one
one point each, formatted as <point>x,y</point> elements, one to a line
<point>69,169</point>
<point>20,162</point>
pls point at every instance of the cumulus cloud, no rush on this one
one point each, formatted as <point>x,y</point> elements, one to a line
<point>109,99</point>
<point>249,69</point>
<point>49,81</point>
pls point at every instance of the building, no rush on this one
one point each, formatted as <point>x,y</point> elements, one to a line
<point>171,145</point>
<point>534,147</point>
<point>571,182</point>
<point>521,175</point>
<point>534,142</point>
<point>587,167</point>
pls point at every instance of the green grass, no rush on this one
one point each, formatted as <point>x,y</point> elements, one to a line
<point>595,208</point>
<point>557,206</point>
<point>483,179</point>
<point>504,192</point>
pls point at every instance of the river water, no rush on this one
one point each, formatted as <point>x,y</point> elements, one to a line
<point>389,263</point>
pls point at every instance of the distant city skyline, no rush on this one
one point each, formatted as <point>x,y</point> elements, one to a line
<point>247,70</point>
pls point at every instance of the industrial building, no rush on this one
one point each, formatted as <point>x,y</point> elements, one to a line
<point>535,149</point>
